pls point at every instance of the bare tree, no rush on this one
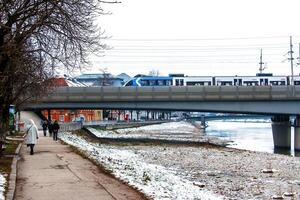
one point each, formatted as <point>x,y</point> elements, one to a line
<point>154,72</point>
<point>38,37</point>
<point>105,80</point>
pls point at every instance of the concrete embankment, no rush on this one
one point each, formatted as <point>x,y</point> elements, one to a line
<point>119,125</point>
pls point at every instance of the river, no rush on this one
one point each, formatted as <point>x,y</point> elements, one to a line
<point>250,134</point>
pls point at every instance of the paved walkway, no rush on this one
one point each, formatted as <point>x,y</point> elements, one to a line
<point>56,172</point>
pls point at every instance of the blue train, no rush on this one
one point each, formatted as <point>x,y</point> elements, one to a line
<point>261,79</point>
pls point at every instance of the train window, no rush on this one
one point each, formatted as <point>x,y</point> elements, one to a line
<point>168,82</point>
<point>224,83</point>
<point>281,83</point>
<point>237,81</point>
<point>274,82</point>
<point>144,82</point>
<point>152,83</point>
<point>161,83</point>
<point>181,81</point>
<point>250,83</point>
<point>296,82</point>
<point>277,83</point>
<point>195,83</point>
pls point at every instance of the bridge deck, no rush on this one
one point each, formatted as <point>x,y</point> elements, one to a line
<point>239,99</point>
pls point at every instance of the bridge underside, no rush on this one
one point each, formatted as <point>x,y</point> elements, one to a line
<point>255,107</point>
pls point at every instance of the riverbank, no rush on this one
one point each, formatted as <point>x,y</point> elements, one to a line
<point>176,171</point>
<point>172,171</point>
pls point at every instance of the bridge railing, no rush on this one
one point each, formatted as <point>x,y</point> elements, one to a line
<point>173,93</point>
<point>70,126</point>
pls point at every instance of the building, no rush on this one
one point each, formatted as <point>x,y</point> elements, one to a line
<point>72,115</point>
<point>105,79</point>
<point>88,80</point>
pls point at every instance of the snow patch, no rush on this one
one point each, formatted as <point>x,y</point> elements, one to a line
<point>2,186</point>
<point>166,127</point>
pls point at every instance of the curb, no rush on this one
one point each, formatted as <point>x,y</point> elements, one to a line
<point>13,175</point>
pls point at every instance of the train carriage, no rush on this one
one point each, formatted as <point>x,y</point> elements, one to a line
<point>266,79</point>
<point>193,81</point>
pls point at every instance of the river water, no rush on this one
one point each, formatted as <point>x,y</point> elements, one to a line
<point>249,134</point>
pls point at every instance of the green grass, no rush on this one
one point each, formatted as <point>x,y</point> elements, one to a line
<point>7,156</point>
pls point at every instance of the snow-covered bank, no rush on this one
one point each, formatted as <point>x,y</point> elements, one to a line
<point>177,171</point>
<point>2,186</point>
<point>154,180</point>
<point>182,172</point>
<point>172,131</point>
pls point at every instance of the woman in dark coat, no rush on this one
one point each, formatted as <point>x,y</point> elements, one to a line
<point>55,128</point>
<point>50,128</point>
<point>45,126</point>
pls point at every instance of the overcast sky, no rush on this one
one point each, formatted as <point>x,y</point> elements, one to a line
<point>199,37</point>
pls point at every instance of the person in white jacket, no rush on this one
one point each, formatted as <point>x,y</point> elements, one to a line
<point>32,135</point>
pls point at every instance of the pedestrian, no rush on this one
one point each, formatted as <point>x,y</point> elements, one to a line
<point>50,129</point>
<point>32,135</point>
<point>55,128</point>
<point>45,127</point>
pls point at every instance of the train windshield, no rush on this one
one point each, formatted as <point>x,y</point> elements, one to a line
<point>129,83</point>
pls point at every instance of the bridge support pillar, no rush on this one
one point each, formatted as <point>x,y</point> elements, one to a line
<point>297,134</point>
<point>281,129</point>
<point>203,122</point>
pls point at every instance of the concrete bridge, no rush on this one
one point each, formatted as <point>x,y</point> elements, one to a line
<point>278,101</point>
<point>256,99</point>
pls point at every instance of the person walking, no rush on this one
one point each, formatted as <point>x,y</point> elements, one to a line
<point>50,129</point>
<point>55,128</point>
<point>45,127</point>
<point>32,135</point>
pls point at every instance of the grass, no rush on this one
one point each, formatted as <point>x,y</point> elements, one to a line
<point>8,155</point>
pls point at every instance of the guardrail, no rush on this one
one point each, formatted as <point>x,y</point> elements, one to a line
<point>173,93</point>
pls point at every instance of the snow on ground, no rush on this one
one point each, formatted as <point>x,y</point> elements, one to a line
<point>174,131</point>
<point>2,186</point>
<point>192,172</point>
<point>165,127</point>
<point>154,180</point>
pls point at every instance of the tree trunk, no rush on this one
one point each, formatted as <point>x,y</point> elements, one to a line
<point>4,123</point>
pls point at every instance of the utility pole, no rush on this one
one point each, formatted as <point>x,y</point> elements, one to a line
<point>261,68</point>
<point>291,60</point>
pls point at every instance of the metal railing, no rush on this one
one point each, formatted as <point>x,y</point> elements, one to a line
<point>70,126</point>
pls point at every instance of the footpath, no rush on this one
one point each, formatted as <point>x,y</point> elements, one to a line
<point>56,172</point>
